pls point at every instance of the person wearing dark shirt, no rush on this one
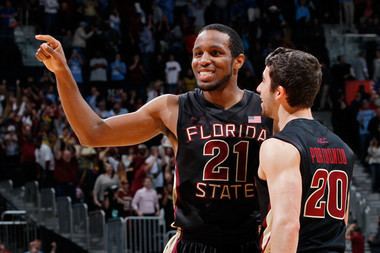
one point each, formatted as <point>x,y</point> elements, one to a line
<point>305,169</point>
<point>215,131</point>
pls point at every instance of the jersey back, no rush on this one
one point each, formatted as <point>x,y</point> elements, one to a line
<point>326,170</point>
<point>217,161</point>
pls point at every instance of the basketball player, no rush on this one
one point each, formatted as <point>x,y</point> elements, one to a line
<point>216,132</point>
<point>305,166</point>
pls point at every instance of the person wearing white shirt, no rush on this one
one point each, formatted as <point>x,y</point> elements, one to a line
<point>172,70</point>
<point>45,158</point>
<point>145,201</point>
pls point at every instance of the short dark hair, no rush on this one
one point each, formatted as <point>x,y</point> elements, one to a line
<point>236,44</point>
<point>298,72</point>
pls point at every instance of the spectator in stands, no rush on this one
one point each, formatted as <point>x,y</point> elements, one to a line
<point>167,205</point>
<point>124,199</point>
<point>154,165</point>
<point>51,8</point>
<point>118,109</point>
<point>92,98</point>
<point>90,10</point>
<point>140,169</point>
<point>136,75</point>
<point>66,173</point>
<point>27,155</point>
<point>34,247</point>
<point>156,89</point>
<point>374,124</point>
<point>12,148</point>
<point>189,82</point>
<point>114,20</point>
<point>81,36</point>
<point>354,234</point>
<point>98,66</point>
<point>101,109</point>
<point>197,9</point>
<point>364,115</point>
<point>147,47</point>
<point>172,70</point>
<point>302,11</point>
<point>45,159</point>
<point>105,181</point>
<point>374,163</point>
<point>360,67</point>
<point>118,70</point>
<point>145,201</point>
<point>76,66</point>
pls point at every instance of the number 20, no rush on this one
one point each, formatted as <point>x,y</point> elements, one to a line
<point>336,182</point>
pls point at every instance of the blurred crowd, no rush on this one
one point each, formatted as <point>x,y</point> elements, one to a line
<point>125,53</point>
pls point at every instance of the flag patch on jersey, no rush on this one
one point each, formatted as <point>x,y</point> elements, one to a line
<point>254,119</point>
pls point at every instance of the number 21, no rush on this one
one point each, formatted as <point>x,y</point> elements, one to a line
<point>219,150</point>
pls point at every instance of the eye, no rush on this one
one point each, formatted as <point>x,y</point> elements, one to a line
<point>215,53</point>
<point>197,54</point>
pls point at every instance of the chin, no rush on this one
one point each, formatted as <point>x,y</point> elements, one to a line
<point>212,86</point>
<point>208,87</point>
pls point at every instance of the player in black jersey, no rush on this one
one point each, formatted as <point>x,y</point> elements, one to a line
<point>305,167</point>
<point>216,132</point>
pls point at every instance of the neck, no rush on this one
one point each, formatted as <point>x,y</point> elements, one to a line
<point>288,114</point>
<point>224,98</point>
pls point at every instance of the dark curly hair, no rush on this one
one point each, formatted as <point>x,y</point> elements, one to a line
<point>298,72</point>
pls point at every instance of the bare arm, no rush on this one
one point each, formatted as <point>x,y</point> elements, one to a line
<point>280,166</point>
<point>158,116</point>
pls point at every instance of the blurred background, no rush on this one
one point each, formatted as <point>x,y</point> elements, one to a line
<point>58,196</point>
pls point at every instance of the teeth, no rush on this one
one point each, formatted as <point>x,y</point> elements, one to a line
<point>203,73</point>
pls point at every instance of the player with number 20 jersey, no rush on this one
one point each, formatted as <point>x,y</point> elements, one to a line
<point>326,170</point>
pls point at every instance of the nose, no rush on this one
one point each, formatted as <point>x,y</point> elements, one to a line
<point>205,59</point>
<point>258,89</point>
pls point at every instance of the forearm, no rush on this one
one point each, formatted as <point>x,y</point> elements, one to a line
<point>284,236</point>
<point>81,117</point>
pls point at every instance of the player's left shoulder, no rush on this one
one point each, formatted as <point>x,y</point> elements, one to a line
<point>278,152</point>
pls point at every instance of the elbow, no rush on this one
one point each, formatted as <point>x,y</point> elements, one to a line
<point>87,142</point>
<point>91,136</point>
<point>288,226</point>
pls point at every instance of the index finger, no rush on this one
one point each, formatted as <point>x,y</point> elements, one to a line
<point>48,38</point>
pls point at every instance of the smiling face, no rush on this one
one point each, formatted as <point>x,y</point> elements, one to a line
<point>212,62</point>
<point>267,96</point>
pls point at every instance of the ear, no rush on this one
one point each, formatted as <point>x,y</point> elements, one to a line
<point>239,61</point>
<point>280,92</point>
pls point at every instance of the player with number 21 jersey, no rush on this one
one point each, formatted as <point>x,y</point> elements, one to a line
<point>217,163</point>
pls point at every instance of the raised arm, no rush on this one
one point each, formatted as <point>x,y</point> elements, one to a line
<point>158,116</point>
<point>280,166</point>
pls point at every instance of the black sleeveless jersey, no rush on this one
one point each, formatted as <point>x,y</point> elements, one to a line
<point>217,162</point>
<point>326,170</point>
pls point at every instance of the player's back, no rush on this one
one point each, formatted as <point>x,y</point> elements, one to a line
<point>326,170</point>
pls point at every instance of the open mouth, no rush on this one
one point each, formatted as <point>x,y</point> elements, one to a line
<point>205,76</point>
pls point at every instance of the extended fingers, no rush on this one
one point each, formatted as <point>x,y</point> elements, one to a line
<point>49,39</point>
